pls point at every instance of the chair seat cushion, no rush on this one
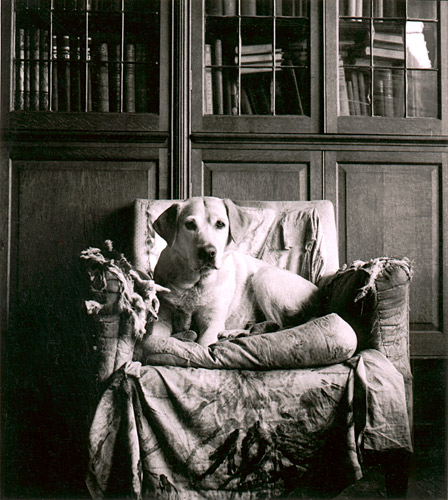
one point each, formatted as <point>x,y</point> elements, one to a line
<point>322,341</point>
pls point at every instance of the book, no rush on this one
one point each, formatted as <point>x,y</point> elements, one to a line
<point>44,104</point>
<point>86,76</point>
<point>75,73</point>
<point>218,91</point>
<point>263,58</point>
<point>246,108</point>
<point>115,78</point>
<point>214,7</point>
<point>398,92</point>
<point>27,75</point>
<point>141,79</point>
<point>247,70</point>
<point>291,90</point>
<point>103,78</point>
<point>227,93</point>
<point>249,7</point>
<point>234,97</point>
<point>229,7</point>
<point>363,95</point>
<point>20,70</point>
<point>262,48</point>
<point>378,98</point>
<point>208,86</point>
<point>350,97</point>
<point>388,93</point>
<point>64,73</point>
<point>385,53</point>
<point>356,98</point>
<point>129,78</point>
<point>54,74</point>
<point>342,95</point>
<point>34,69</point>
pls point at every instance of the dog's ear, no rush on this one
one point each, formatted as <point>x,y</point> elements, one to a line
<point>239,221</point>
<point>166,224</point>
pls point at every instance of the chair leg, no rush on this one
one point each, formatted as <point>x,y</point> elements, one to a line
<point>396,466</point>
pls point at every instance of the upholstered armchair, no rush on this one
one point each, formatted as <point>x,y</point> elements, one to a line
<point>286,413</point>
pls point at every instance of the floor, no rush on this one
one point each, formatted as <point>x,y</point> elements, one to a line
<point>428,478</point>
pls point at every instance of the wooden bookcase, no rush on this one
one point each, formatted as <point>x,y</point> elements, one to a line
<point>69,176</point>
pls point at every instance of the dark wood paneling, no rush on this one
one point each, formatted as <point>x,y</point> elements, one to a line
<point>59,208</point>
<point>396,209</point>
<point>257,181</point>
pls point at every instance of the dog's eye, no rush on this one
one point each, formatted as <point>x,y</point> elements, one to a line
<point>220,224</point>
<point>190,225</point>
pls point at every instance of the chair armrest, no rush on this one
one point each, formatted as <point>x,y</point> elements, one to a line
<point>113,330</point>
<point>373,297</point>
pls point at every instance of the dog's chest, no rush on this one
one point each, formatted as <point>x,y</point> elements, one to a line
<point>191,299</point>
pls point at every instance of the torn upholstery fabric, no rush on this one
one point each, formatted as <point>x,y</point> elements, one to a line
<point>191,433</point>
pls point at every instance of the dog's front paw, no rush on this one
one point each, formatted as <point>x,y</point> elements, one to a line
<point>186,336</point>
<point>232,334</point>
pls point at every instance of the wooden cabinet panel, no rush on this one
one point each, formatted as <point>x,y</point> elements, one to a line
<point>59,209</point>
<point>395,209</point>
<point>257,175</point>
<point>257,181</point>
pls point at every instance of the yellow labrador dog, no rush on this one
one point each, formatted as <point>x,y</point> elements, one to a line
<point>215,288</point>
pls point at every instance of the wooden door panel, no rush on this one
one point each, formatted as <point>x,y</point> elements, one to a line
<point>395,210</point>
<point>250,181</point>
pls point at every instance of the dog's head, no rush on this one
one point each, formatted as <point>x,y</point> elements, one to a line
<point>199,230</point>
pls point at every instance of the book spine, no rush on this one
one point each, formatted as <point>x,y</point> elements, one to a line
<point>363,94</point>
<point>379,106</point>
<point>103,81</point>
<point>218,97</point>
<point>388,94</point>
<point>249,7</point>
<point>44,104</point>
<point>246,107</point>
<point>115,79</point>
<point>279,8</point>
<point>214,7</point>
<point>344,109</point>
<point>350,97</point>
<point>54,75</point>
<point>261,48</point>
<point>234,98</point>
<point>249,70</point>
<point>20,70</point>
<point>294,88</point>
<point>356,98</point>
<point>64,74</point>
<point>229,7</point>
<point>34,69</point>
<point>75,74</point>
<point>141,79</point>
<point>129,78</point>
<point>208,86</point>
<point>260,58</point>
<point>398,92</point>
<point>27,67</point>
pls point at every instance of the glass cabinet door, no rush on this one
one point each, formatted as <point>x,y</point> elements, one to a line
<point>388,61</point>
<point>89,57</point>
<point>256,62</point>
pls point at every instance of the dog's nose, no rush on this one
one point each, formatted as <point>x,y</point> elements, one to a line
<point>207,253</point>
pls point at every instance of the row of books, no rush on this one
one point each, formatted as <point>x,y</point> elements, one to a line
<point>80,81</point>
<point>355,93</point>
<point>221,84</point>
<point>88,5</point>
<point>297,8</point>
<point>362,8</point>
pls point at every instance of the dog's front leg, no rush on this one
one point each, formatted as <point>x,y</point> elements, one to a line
<point>209,325</point>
